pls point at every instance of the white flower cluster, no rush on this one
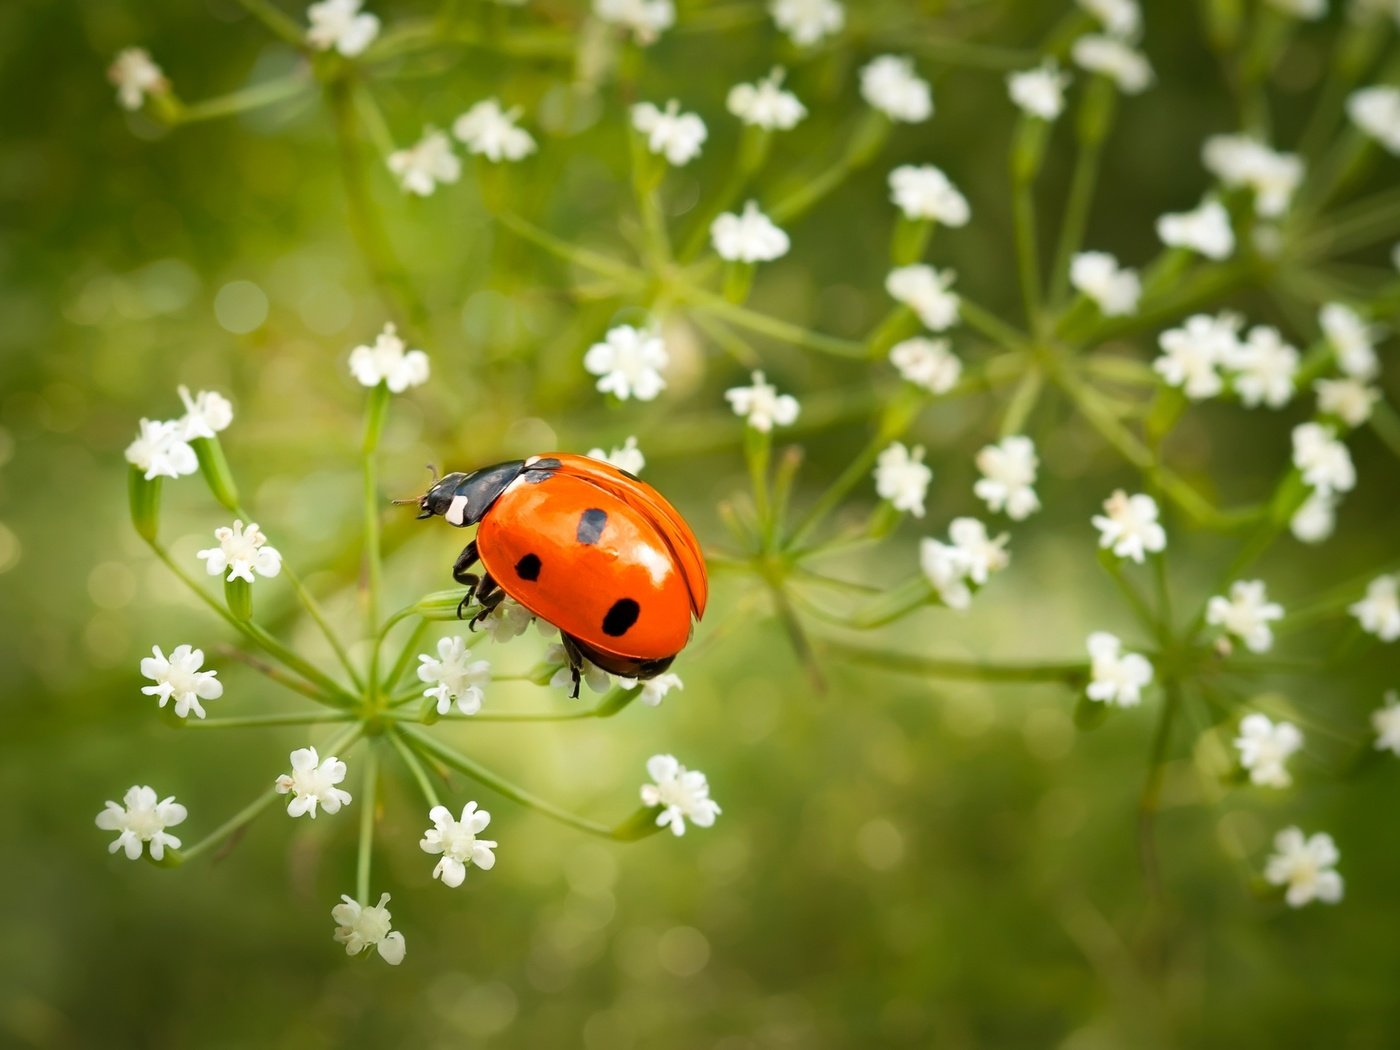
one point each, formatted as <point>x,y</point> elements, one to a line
<point>965,563</point>
<point>1129,526</point>
<point>163,450</point>
<point>1114,289</point>
<point>453,677</point>
<point>1243,161</point>
<point>670,133</point>
<point>902,477</point>
<point>762,406</point>
<point>389,361</point>
<point>1116,677</point>
<point>486,129</point>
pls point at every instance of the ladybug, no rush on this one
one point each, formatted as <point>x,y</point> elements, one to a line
<point>586,547</point>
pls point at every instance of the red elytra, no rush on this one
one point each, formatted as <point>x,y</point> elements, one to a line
<point>584,546</point>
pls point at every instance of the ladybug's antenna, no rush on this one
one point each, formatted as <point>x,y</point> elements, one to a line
<point>433,471</point>
<point>418,499</point>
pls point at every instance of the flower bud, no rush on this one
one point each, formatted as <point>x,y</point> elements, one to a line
<point>428,713</point>
<point>441,605</point>
<point>239,596</point>
<point>639,825</point>
<point>216,470</point>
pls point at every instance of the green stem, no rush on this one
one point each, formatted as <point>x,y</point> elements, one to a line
<point>1150,799</point>
<point>405,657</point>
<point>429,747</point>
<point>257,721</point>
<point>783,331</point>
<point>584,257</point>
<point>251,98</point>
<point>271,17</point>
<point>1028,265</point>
<point>236,822</point>
<point>416,769</point>
<point>367,804</point>
<point>376,411</point>
<point>1095,115</point>
<point>1071,673</point>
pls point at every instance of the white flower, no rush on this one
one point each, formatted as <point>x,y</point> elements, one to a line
<point>1114,289</point>
<point>1114,59</point>
<point>597,680</point>
<point>452,679</point>
<point>1376,111</point>
<point>1246,614</point>
<point>924,192</point>
<point>136,76</point>
<point>1265,366</point>
<point>1353,341</point>
<point>765,104</point>
<point>972,556</point>
<point>1008,476</point>
<point>242,552</point>
<point>387,362</point>
<point>629,457</point>
<point>1121,18</point>
<point>675,135</point>
<point>655,689</point>
<point>1305,866</point>
<point>761,404</point>
<point>926,291</point>
<point>1264,747</point>
<point>1314,521</point>
<point>313,782</point>
<point>807,21</point>
<point>1206,230</point>
<point>1116,677</point>
<point>491,131</point>
<point>358,926</point>
<point>1386,722</point>
<point>1129,525</point>
<point>647,19</point>
<point>508,620</point>
<point>142,819</point>
<point>629,362</point>
<point>943,566</point>
<point>1311,10</point>
<point>338,24</point>
<point>161,451</point>
<point>685,794</point>
<point>1039,92</point>
<point>751,237</point>
<point>423,165</point>
<point>1239,160</point>
<point>1323,460</point>
<point>902,478</point>
<point>890,84</point>
<point>927,363</point>
<point>1379,611</point>
<point>1350,400</point>
<point>1193,354</point>
<point>457,841</point>
<point>206,414</point>
<point>180,677</point>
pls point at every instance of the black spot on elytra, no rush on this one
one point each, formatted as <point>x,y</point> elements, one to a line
<point>590,525</point>
<point>621,617</point>
<point>528,567</point>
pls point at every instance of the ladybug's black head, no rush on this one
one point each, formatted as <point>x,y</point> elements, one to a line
<point>463,499</point>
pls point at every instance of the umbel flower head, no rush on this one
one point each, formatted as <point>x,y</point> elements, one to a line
<point>765,104</point>
<point>890,84</point>
<point>807,22</point>
<point>647,19</point>
<point>1039,92</point>
<point>1307,866</point>
<point>683,794</point>
<point>1239,160</point>
<point>360,926</point>
<point>1119,18</point>
<point>1116,677</point>
<point>242,552</point>
<point>1350,400</point>
<point>1008,477</point>
<point>970,557</point>
<point>629,458</point>
<point>1264,747</point>
<point>1376,111</point>
<point>1264,368</point>
<point>1385,720</point>
<point>1206,230</point>
<point>1113,58</point>
<point>628,363</point>
<point>750,237</point>
<point>340,24</point>
<point>902,477</point>
<point>161,450</point>
<point>927,292</point>
<point>1246,614</point>
<point>670,133</point>
<point>180,678</point>
<point>1129,526</point>
<point>1322,459</point>
<point>207,413</point>
<point>927,363</point>
<point>312,782</point>
<point>1113,288</point>
<point>1351,339</point>
<point>423,165</point>
<point>141,819</point>
<point>1379,612</point>
<point>136,76</point>
<point>453,677</point>
<point>1194,354</point>
<point>457,842</point>
<point>389,362</point>
<point>761,405</point>
<point>924,192</point>
<point>492,132</point>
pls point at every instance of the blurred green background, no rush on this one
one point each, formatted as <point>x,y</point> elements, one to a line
<point>900,862</point>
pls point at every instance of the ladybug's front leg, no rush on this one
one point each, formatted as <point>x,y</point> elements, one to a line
<point>470,580</point>
<point>490,595</point>
<point>571,650</point>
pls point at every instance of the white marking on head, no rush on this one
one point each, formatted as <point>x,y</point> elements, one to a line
<point>456,513</point>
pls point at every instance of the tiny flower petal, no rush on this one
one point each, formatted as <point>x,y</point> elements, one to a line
<point>312,783</point>
<point>683,794</point>
<point>1116,677</point>
<point>1129,526</point>
<point>902,477</point>
<point>242,552</point>
<point>339,24</point>
<point>750,237</point>
<point>629,363</point>
<point>389,362</point>
<point>890,84</point>
<point>670,133</point>
<point>490,131</point>
<point>761,404</point>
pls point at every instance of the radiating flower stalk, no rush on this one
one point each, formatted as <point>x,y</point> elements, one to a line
<point>1264,217</point>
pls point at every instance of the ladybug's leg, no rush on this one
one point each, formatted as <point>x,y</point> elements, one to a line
<point>490,595</point>
<point>571,650</point>
<point>470,580</point>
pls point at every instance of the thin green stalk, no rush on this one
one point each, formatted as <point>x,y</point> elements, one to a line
<point>367,804</point>
<point>415,768</point>
<point>991,326</point>
<point>1095,115</point>
<point>276,674</point>
<point>1113,564</point>
<point>1150,799</point>
<point>1027,263</point>
<point>500,716</point>
<point>235,823</point>
<point>406,655</point>
<point>427,746</point>
<point>259,721</point>
<point>584,257</point>
<point>246,100</point>
<point>1070,672</point>
<point>783,331</point>
<point>376,411</point>
<point>271,17</point>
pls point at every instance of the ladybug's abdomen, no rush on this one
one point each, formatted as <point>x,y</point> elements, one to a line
<point>583,560</point>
